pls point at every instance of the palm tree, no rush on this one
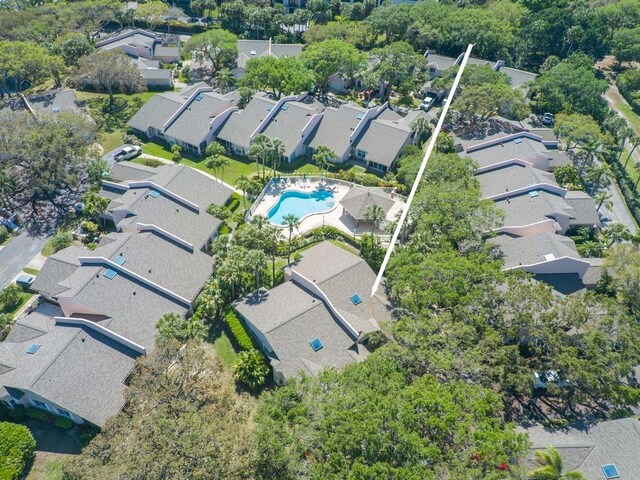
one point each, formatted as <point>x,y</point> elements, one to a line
<point>276,153</point>
<point>322,157</point>
<point>250,368</point>
<point>634,141</point>
<point>597,173</point>
<point>222,162</point>
<point>224,79</point>
<point>259,151</point>
<point>420,128</point>
<point>551,467</point>
<point>258,259</point>
<point>603,198</point>
<point>587,152</point>
<point>320,11</point>
<point>616,233</point>
<point>275,235</point>
<point>292,221</point>
<point>635,186</point>
<point>374,214</point>
<point>214,152</point>
<point>244,184</point>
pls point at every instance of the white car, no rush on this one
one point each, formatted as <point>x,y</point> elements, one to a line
<point>427,103</point>
<point>128,152</point>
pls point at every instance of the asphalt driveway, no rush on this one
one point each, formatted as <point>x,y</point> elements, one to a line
<point>17,254</point>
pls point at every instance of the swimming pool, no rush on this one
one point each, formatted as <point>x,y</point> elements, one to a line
<point>301,204</point>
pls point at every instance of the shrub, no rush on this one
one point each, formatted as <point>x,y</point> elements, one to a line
<point>368,180</point>
<point>224,230</point>
<point>61,239</point>
<point>4,233</point>
<point>90,227</point>
<point>10,296</point>
<point>16,450</point>
<point>37,414</point>
<point>250,368</point>
<point>92,245</point>
<point>63,423</point>
<point>218,211</point>
<point>240,334</point>
<point>151,162</point>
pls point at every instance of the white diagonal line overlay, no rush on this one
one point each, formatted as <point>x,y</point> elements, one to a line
<point>427,154</point>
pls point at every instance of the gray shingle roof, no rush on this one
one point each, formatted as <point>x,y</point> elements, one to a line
<point>156,112</point>
<point>290,316</point>
<point>512,177</point>
<point>336,126</point>
<point>248,49</point>
<point>290,331</point>
<point>522,149</point>
<point>288,122</point>
<point>358,200</point>
<point>240,125</point>
<point>192,126</point>
<point>122,171</point>
<point>524,209</point>
<point>518,77</point>
<point>383,140</point>
<point>532,249</point>
<point>156,74</point>
<point>583,208</point>
<point>440,61</point>
<point>76,368</point>
<point>587,450</point>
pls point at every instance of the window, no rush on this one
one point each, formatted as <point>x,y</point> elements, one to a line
<point>309,151</point>
<point>39,404</point>
<point>64,413</point>
<point>361,153</point>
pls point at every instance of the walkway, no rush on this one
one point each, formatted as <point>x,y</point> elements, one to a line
<point>620,212</point>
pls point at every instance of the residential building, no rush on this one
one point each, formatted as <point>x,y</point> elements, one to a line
<point>321,316</point>
<point>62,100</point>
<point>248,49</point>
<point>437,64</point>
<point>72,355</point>
<point>592,449</point>
<point>148,51</point>
<point>189,118</point>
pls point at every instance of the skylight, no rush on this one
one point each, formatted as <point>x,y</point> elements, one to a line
<point>198,97</point>
<point>355,299</point>
<point>534,193</point>
<point>154,193</point>
<point>517,140</point>
<point>285,107</point>
<point>35,347</point>
<point>360,116</point>
<point>109,273</point>
<point>610,471</point>
<point>316,344</point>
<point>253,52</point>
<point>119,260</point>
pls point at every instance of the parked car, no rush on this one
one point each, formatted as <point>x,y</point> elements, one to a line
<point>127,153</point>
<point>427,103</point>
<point>542,379</point>
<point>547,119</point>
<point>25,281</point>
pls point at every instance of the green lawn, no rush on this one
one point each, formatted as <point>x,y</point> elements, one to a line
<point>47,466</point>
<point>632,117</point>
<point>47,250</point>
<point>243,166</point>
<point>109,141</point>
<point>632,170</point>
<point>31,271</point>
<point>223,346</point>
<point>24,298</point>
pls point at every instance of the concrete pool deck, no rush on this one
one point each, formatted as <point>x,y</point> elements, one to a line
<point>337,217</point>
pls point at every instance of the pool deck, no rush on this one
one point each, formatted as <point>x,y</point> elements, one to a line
<point>336,217</point>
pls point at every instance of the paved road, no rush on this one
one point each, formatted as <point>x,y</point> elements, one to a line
<point>619,212</point>
<point>17,254</point>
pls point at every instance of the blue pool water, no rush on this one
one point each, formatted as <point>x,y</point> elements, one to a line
<point>301,204</point>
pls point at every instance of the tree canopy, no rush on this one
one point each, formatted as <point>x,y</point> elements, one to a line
<point>333,57</point>
<point>280,76</point>
<point>46,161</point>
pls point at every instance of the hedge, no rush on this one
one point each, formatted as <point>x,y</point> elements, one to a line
<point>37,414</point>
<point>16,450</point>
<point>240,334</point>
<point>63,423</point>
<point>626,187</point>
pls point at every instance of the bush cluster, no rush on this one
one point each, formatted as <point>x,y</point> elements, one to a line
<point>38,414</point>
<point>63,423</point>
<point>4,233</point>
<point>240,334</point>
<point>62,239</point>
<point>16,450</point>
